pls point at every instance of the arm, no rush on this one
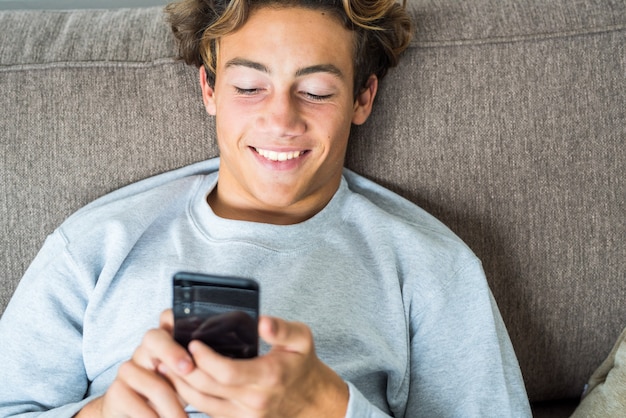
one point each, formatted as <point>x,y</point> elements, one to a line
<point>462,361</point>
<point>41,337</point>
<point>42,347</point>
<point>139,389</point>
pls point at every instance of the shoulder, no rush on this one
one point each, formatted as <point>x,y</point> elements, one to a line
<point>160,185</point>
<point>391,210</point>
<point>125,214</point>
<point>422,248</point>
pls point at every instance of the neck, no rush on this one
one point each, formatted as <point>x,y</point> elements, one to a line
<point>276,216</point>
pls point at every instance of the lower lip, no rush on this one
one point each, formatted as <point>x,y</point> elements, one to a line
<point>280,165</point>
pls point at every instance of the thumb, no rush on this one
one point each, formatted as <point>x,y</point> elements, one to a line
<point>166,320</point>
<point>285,335</point>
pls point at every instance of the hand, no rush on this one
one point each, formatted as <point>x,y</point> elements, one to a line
<point>139,390</point>
<point>290,381</point>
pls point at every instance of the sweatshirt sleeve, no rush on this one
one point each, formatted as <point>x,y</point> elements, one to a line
<point>43,369</point>
<point>359,407</point>
<point>462,360</point>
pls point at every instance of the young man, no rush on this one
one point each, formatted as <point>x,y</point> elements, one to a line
<point>373,308</point>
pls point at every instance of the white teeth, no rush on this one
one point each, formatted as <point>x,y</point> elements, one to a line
<point>278,156</point>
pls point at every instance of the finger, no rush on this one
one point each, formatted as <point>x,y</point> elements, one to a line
<point>157,347</point>
<point>197,379</point>
<point>134,405</point>
<point>147,390</point>
<point>216,400</point>
<point>220,368</point>
<point>166,320</point>
<point>225,372</point>
<point>285,335</point>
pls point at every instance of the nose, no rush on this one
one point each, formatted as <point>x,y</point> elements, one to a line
<point>281,116</point>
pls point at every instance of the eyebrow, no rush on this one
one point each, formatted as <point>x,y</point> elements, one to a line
<point>320,68</point>
<point>241,62</point>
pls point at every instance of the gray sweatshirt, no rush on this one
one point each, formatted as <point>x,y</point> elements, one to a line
<point>398,305</point>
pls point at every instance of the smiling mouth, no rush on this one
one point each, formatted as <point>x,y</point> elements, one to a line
<point>278,156</point>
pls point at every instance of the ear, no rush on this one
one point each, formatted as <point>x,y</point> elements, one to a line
<point>208,93</point>
<point>365,100</point>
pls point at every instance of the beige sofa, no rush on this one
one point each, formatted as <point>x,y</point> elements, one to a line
<point>505,119</point>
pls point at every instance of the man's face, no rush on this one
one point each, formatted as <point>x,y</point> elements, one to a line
<point>284,105</point>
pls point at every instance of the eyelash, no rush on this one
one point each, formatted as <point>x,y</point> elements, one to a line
<point>246,92</point>
<point>310,96</point>
<point>317,97</point>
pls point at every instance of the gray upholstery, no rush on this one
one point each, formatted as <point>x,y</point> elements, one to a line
<point>505,119</point>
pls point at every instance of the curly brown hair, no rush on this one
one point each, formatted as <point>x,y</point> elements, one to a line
<point>383,29</point>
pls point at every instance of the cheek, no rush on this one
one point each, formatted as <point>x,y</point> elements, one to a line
<point>338,127</point>
<point>335,119</point>
<point>336,139</point>
<point>229,120</point>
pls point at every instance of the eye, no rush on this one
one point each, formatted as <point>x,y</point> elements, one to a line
<point>317,97</point>
<point>246,92</point>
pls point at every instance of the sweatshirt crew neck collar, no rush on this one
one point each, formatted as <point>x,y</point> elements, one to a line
<point>270,236</point>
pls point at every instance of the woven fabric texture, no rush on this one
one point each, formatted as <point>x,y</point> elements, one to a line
<point>505,119</point>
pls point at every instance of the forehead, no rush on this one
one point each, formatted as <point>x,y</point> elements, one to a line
<point>290,34</point>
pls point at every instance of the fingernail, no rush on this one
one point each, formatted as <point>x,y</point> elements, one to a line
<point>185,366</point>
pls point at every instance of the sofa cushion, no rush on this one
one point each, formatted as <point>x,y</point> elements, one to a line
<point>91,100</point>
<point>606,392</point>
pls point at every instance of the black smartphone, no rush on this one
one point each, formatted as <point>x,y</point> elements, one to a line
<point>222,312</point>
